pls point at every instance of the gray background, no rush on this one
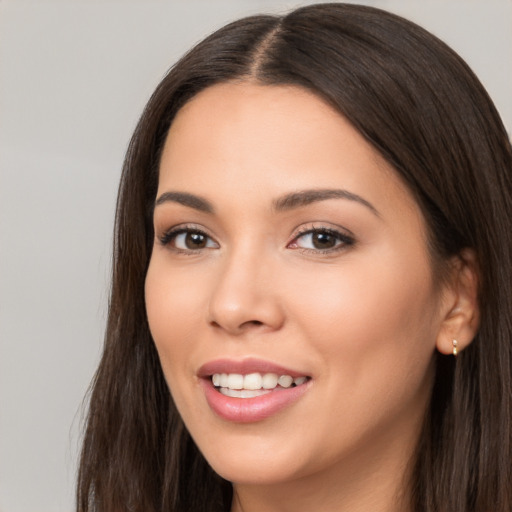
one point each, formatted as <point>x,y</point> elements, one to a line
<point>74,77</point>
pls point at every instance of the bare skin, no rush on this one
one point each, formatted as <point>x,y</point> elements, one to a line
<point>252,261</point>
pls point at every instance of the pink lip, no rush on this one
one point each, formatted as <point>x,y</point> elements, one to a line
<point>248,410</point>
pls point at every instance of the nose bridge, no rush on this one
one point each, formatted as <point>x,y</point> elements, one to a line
<point>244,296</point>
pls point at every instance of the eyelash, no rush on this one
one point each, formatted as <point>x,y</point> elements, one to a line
<point>345,240</point>
<point>170,235</point>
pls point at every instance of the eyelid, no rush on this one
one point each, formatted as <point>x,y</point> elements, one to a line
<point>170,234</point>
<point>345,237</point>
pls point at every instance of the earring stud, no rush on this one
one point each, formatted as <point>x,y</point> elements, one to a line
<point>454,343</point>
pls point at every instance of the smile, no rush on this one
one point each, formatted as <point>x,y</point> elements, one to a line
<point>250,390</point>
<point>236,385</point>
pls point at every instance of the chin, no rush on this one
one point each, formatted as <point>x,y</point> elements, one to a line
<point>255,459</point>
<point>251,473</point>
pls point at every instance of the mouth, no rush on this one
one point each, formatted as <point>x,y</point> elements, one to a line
<point>250,390</point>
<point>251,385</point>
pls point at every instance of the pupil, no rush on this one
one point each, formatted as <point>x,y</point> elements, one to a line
<point>195,241</point>
<point>323,241</point>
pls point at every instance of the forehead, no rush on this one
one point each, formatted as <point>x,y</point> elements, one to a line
<point>236,138</point>
<point>271,117</point>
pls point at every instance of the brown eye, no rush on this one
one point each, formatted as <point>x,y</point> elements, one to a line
<point>194,240</point>
<point>322,240</point>
<point>188,240</point>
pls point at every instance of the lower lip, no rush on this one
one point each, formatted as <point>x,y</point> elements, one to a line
<point>249,410</point>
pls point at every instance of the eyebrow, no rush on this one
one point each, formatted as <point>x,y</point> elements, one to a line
<point>284,203</point>
<point>186,199</point>
<point>305,197</point>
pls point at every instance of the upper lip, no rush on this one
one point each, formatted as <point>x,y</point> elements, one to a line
<point>245,366</point>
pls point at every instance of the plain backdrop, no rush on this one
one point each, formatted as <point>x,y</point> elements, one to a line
<point>74,77</point>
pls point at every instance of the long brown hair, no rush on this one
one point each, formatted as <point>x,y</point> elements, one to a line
<point>423,109</point>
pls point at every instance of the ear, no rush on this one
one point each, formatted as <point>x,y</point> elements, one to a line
<point>461,314</point>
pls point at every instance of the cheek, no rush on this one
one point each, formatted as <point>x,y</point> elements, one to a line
<point>373,337</point>
<point>375,319</point>
<point>174,313</point>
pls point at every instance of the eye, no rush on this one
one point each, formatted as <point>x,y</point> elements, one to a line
<point>184,239</point>
<point>321,240</point>
<point>192,240</point>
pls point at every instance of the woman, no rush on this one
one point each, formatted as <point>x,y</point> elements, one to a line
<point>311,305</point>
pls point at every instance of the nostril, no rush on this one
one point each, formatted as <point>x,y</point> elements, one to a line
<point>251,323</point>
<point>245,324</point>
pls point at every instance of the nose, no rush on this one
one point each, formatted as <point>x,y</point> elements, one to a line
<point>245,297</point>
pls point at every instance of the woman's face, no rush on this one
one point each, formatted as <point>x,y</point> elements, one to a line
<point>286,246</point>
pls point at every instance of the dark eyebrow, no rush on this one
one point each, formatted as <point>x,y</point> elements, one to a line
<point>284,203</point>
<point>305,197</point>
<point>190,200</point>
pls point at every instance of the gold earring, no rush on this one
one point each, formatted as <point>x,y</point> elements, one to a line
<point>454,343</point>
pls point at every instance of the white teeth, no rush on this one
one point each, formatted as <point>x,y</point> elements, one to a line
<point>253,382</point>
<point>285,381</point>
<point>269,381</point>
<point>299,380</point>
<point>244,393</point>
<point>235,381</point>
